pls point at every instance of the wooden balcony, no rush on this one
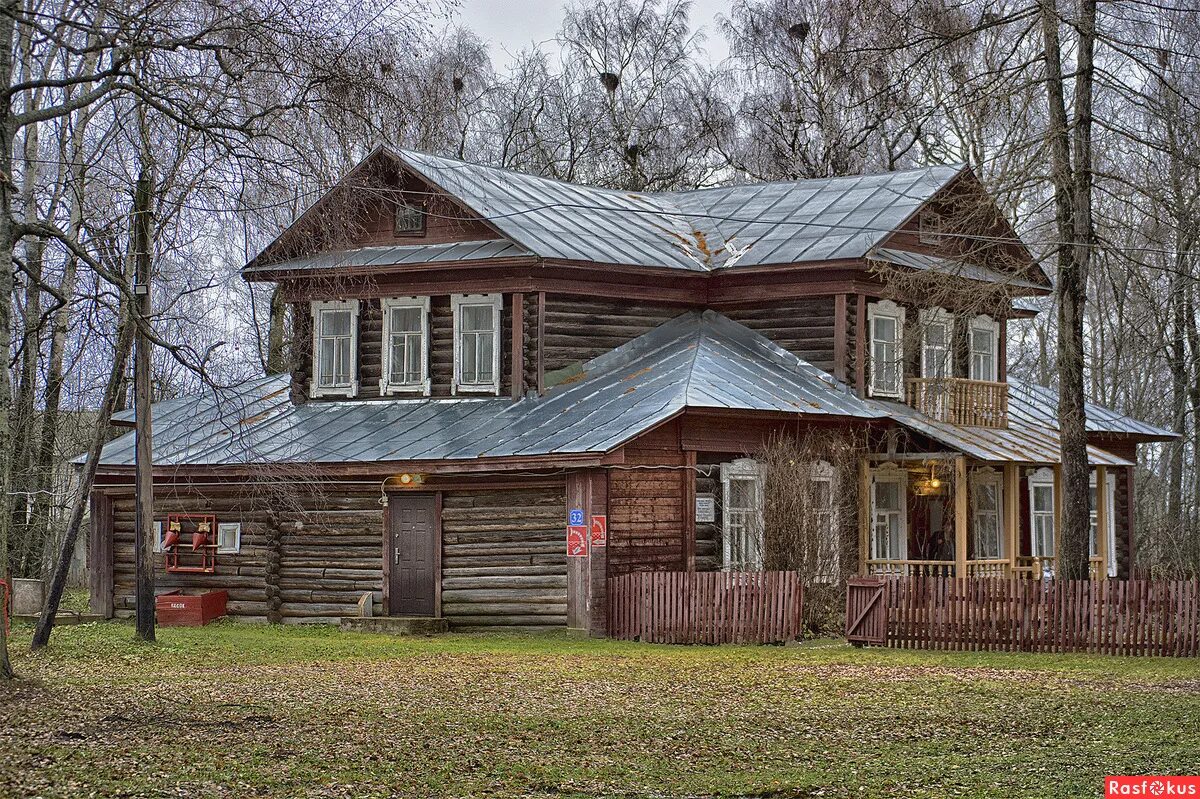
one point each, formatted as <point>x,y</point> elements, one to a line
<point>955,400</point>
<point>1025,567</point>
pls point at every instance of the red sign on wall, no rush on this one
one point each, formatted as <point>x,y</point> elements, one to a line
<point>576,541</point>
<point>599,530</point>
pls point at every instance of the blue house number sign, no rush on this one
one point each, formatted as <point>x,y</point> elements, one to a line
<point>575,516</point>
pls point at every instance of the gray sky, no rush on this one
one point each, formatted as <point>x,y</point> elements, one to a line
<point>510,25</point>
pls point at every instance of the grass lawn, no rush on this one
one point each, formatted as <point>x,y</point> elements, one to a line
<point>239,710</point>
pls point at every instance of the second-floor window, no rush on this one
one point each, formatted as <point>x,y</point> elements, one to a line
<point>937,328</point>
<point>335,348</point>
<point>886,322</point>
<point>476,342</point>
<point>985,346</point>
<point>405,346</point>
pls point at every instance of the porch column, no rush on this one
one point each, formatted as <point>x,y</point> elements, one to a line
<point>1012,515</point>
<point>1057,513</point>
<point>960,515</point>
<point>864,514</point>
<point>1102,513</point>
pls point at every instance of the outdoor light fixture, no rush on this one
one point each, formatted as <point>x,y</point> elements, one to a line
<point>409,479</point>
<point>928,486</point>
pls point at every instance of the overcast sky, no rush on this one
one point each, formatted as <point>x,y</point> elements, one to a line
<point>510,25</point>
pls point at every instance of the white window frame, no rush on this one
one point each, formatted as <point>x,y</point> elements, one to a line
<point>886,309</point>
<point>750,556</point>
<point>386,386</point>
<point>158,535</point>
<point>457,303</point>
<point>942,318</point>
<point>236,528</point>
<point>980,478</point>
<point>349,389</point>
<point>929,227</point>
<point>889,473</point>
<point>990,326</point>
<point>1111,500</point>
<point>829,549</point>
<point>1042,478</point>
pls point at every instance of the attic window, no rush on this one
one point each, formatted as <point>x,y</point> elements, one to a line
<point>410,219</point>
<point>930,225</point>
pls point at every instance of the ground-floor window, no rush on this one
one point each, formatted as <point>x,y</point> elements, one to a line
<point>889,526</point>
<point>986,526</point>
<point>1110,502</point>
<point>828,556</point>
<point>742,515</point>
<point>1041,513</point>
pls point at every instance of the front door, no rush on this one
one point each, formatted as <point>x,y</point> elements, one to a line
<point>414,532</point>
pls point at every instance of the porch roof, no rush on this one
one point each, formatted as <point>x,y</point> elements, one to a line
<point>697,360</point>
<point>1020,442</point>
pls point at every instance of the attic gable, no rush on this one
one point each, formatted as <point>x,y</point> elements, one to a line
<point>360,211</point>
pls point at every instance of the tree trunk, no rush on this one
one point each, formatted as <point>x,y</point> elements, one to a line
<point>8,16</point>
<point>58,583</point>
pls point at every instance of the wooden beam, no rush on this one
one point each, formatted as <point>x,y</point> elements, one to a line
<point>387,558</point>
<point>541,336</point>
<point>437,555</point>
<point>1130,519</point>
<point>1012,514</point>
<point>100,556</point>
<point>1103,512</point>
<point>689,510</point>
<point>518,345</point>
<point>961,511</point>
<point>860,344</point>
<point>839,337</point>
<point>1057,511</point>
<point>1002,360</point>
<point>864,515</point>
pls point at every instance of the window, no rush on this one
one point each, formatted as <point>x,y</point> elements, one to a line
<point>742,516</point>
<point>335,348</point>
<point>984,345</point>
<point>986,501</point>
<point>889,513</point>
<point>410,219</point>
<point>930,227</point>
<point>405,345</point>
<point>828,557</point>
<point>1110,503</point>
<point>1042,514</point>
<point>477,342</point>
<point>229,537</point>
<point>158,536</point>
<point>937,333</point>
<point>886,322</point>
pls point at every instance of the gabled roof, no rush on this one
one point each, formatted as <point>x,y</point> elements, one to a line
<point>697,360</point>
<point>699,231</point>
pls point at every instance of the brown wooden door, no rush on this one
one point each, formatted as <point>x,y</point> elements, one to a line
<point>413,523</point>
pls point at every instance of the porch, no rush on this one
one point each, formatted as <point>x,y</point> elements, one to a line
<point>949,515</point>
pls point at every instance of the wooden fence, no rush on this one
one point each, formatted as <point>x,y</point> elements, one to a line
<point>706,607</point>
<point>1114,617</point>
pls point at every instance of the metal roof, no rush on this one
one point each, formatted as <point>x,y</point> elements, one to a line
<point>697,360</point>
<point>1029,403</point>
<point>947,266</point>
<point>745,225</point>
<point>1019,442</point>
<point>365,257</point>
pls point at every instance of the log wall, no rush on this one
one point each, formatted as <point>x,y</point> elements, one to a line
<point>803,327</point>
<point>578,329</point>
<point>504,561</point>
<point>646,505</point>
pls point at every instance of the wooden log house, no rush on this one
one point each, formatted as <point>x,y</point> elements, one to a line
<point>481,358</point>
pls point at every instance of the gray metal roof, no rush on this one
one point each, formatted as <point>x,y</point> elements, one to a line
<point>697,360</point>
<point>947,266</point>
<point>1020,442</point>
<point>1029,403</point>
<point>366,257</point>
<point>745,225</point>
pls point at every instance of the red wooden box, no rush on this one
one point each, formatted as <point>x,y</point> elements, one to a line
<point>190,610</point>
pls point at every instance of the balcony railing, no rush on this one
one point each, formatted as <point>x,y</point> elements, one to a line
<point>955,400</point>
<point>1025,566</point>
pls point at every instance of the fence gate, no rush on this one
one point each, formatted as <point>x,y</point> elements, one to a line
<point>866,611</point>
